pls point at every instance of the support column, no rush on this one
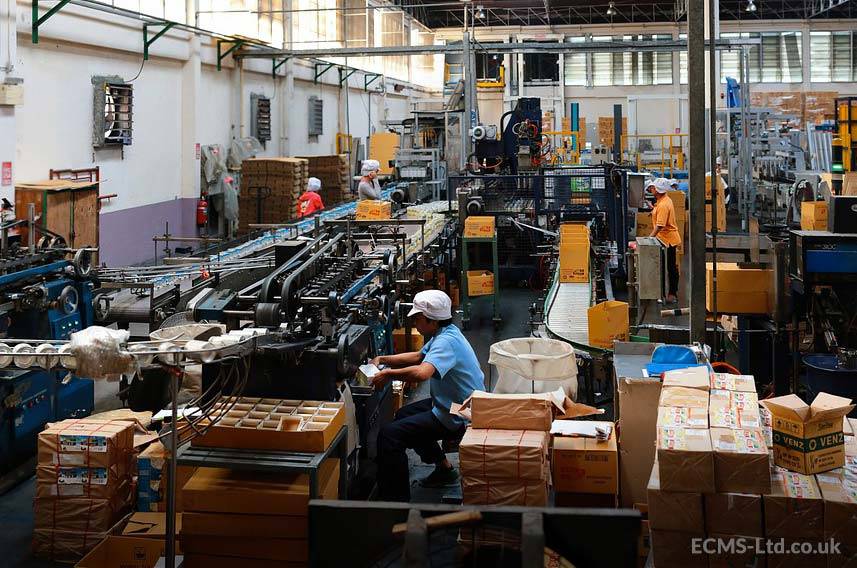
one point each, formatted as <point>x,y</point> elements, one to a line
<point>716,17</point>
<point>191,118</point>
<point>696,71</point>
<point>8,73</point>
<point>470,113</point>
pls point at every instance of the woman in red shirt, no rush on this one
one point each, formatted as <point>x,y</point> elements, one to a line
<point>310,201</point>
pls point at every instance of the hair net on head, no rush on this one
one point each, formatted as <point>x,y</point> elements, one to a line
<point>313,184</point>
<point>369,166</point>
<point>662,185</point>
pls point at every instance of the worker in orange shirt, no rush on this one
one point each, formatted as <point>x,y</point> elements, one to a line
<point>310,201</point>
<point>666,230</point>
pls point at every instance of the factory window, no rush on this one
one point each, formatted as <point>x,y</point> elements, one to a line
<point>730,60</point>
<point>541,67</point>
<point>682,62</point>
<point>394,33</point>
<point>833,56</point>
<point>575,65</point>
<point>632,67</point>
<point>423,66</point>
<point>488,66</point>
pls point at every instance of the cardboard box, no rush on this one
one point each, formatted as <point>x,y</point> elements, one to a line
<point>740,383</point>
<point>679,200</point>
<point>261,425</point>
<point>480,283</point>
<point>215,490</point>
<point>743,554</point>
<point>479,226</point>
<point>721,188</point>
<point>585,465</point>
<point>734,409</point>
<point>248,548</point>
<point>153,477</point>
<point>739,290</point>
<point>813,216</point>
<point>678,417</point>
<point>150,525</point>
<point>740,460</point>
<point>692,377</point>
<point>808,438</point>
<point>721,217</point>
<point>371,210</point>
<point>674,548</point>
<point>736,513</point>
<point>247,525</point>
<point>78,514</point>
<point>686,460</point>
<point>673,511</point>
<point>524,493</point>
<point>840,506</point>
<point>645,225</point>
<point>513,411</point>
<point>86,443</point>
<point>608,322</point>
<point>789,560</point>
<point>847,426</point>
<point>124,552</point>
<point>574,253</point>
<point>504,454</point>
<point>683,397</point>
<point>846,557</point>
<point>399,343</point>
<point>794,508</point>
<point>638,400</point>
<point>89,483</point>
<point>586,500</point>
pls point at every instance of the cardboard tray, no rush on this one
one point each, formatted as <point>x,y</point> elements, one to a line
<point>274,424</point>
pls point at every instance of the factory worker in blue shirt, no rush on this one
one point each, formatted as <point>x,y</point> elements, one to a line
<point>449,362</point>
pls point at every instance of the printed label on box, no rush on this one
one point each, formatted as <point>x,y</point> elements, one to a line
<point>70,443</point>
<point>81,476</point>
<point>673,439</point>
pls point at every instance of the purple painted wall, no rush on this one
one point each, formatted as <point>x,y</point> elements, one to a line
<point>126,235</point>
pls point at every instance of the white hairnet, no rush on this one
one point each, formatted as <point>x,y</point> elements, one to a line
<point>313,184</point>
<point>369,166</point>
<point>662,185</point>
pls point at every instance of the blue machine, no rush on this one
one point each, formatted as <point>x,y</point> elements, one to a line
<point>41,297</point>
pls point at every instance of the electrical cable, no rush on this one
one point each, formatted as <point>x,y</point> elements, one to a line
<point>139,72</point>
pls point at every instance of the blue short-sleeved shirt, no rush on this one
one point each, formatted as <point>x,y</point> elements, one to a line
<point>457,373</point>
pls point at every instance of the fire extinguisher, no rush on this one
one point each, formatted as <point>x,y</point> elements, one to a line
<point>201,212</point>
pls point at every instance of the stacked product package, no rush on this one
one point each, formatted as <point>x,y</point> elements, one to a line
<point>717,480</point>
<point>83,485</point>
<point>153,478</point>
<point>435,215</point>
<point>270,188</point>
<point>333,173</point>
<point>504,453</point>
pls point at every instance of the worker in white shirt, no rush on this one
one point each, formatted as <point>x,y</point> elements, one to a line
<point>369,188</point>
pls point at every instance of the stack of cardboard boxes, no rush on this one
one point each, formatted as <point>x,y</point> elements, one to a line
<point>373,210</point>
<point>277,182</point>
<point>153,476</point>
<point>83,485</point>
<point>715,476</point>
<point>258,517</point>
<point>574,252</point>
<point>504,453</point>
<point>479,282</point>
<point>333,172</point>
<point>740,290</point>
<point>813,215</point>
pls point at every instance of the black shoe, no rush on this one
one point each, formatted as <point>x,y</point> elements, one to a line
<point>440,477</point>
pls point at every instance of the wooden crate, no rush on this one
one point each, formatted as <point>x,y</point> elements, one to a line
<point>67,208</point>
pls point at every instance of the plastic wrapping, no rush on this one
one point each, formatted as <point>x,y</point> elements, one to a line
<point>534,365</point>
<point>99,355</point>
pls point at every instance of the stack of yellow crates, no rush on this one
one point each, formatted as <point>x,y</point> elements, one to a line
<point>573,252</point>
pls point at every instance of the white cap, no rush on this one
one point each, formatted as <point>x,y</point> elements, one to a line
<point>718,161</point>
<point>313,184</point>
<point>433,304</point>
<point>651,182</point>
<point>673,182</point>
<point>662,185</point>
<point>369,166</point>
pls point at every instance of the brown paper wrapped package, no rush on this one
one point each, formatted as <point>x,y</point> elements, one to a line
<point>86,443</point>
<point>673,511</point>
<point>81,514</point>
<point>741,462</point>
<point>685,459</point>
<point>519,411</point>
<point>674,548</point>
<point>509,454</point>
<point>794,508</point>
<point>683,397</point>
<point>840,506</point>
<point>477,491</point>
<point>734,513</point>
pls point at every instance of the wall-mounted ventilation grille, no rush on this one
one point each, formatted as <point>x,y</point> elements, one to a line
<point>316,116</point>
<point>113,113</point>
<point>260,112</point>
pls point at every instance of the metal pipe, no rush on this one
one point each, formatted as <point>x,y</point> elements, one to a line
<point>171,481</point>
<point>31,227</point>
<point>712,125</point>
<point>696,173</point>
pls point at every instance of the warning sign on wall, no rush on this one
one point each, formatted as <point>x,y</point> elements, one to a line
<point>6,176</point>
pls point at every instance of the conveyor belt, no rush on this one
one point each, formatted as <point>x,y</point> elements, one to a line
<point>566,308</point>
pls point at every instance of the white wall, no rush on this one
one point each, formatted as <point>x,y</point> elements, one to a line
<point>180,99</point>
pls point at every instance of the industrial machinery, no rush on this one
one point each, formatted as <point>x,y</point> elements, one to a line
<point>845,136</point>
<point>43,296</point>
<point>520,145</point>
